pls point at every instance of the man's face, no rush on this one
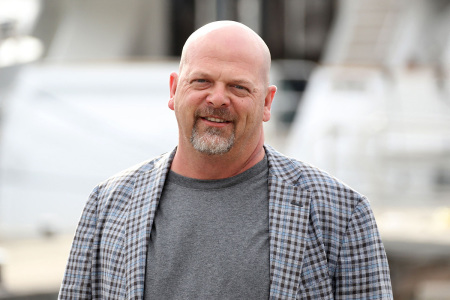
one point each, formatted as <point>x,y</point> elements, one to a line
<point>221,97</point>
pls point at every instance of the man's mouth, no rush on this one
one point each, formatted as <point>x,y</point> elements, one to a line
<point>219,116</point>
<point>215,120</point>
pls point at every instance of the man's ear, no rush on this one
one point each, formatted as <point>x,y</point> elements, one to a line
<point>173,88</point>
<point>268,102</point>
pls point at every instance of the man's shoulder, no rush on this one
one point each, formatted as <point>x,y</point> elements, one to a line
<point>307,176</point>
<point>125,179</point>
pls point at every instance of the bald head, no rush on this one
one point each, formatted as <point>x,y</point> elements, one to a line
<point>232,35</point>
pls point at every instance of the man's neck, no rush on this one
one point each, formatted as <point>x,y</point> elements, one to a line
<point>194,164</point>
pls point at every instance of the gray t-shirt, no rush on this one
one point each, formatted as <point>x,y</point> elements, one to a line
<point>210,238</point>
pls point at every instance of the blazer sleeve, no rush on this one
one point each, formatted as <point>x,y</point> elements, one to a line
<point>362,270</point>
<point>77,277</point>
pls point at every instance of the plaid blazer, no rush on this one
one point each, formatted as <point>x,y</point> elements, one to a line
<point>324,242</point>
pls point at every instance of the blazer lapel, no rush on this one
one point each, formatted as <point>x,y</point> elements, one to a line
<point>288,226</point>
<point>142,209</point>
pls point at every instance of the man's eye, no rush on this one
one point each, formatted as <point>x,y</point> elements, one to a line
<point>200,83</point>
<point>241,89</point>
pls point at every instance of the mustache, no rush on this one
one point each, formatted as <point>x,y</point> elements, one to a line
<point>223,113</point>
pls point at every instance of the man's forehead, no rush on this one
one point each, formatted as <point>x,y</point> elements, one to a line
<point>240,70</point>
<point>231,50</point>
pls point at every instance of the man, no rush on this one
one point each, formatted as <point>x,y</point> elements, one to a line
<point>224,216</point>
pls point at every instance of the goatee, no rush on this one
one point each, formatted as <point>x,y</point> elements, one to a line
<point>213,140</point>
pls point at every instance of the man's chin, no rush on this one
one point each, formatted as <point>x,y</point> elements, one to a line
<point>212,145</point>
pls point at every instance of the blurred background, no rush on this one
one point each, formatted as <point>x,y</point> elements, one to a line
<point>364,93</point>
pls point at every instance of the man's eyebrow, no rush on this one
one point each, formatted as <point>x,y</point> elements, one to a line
<point>242,81</point>
<point>239,81</point>
<point>199,74</point>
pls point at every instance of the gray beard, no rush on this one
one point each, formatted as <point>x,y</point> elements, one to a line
<point>211,142</point>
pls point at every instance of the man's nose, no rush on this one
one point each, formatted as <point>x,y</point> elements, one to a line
<point>218,97</point>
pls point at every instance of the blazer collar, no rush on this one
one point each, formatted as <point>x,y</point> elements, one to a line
<point>289,205</point>
<point>282,167</point>
<point>142,209</point>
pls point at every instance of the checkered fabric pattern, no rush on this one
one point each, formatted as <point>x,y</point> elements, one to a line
<point>323,237</point>
<point>107,259</point>
<point>324,242</point>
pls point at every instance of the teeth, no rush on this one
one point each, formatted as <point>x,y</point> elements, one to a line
<point>215,120</point>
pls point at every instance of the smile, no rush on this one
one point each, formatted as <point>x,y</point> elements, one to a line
<point>215,120</point>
